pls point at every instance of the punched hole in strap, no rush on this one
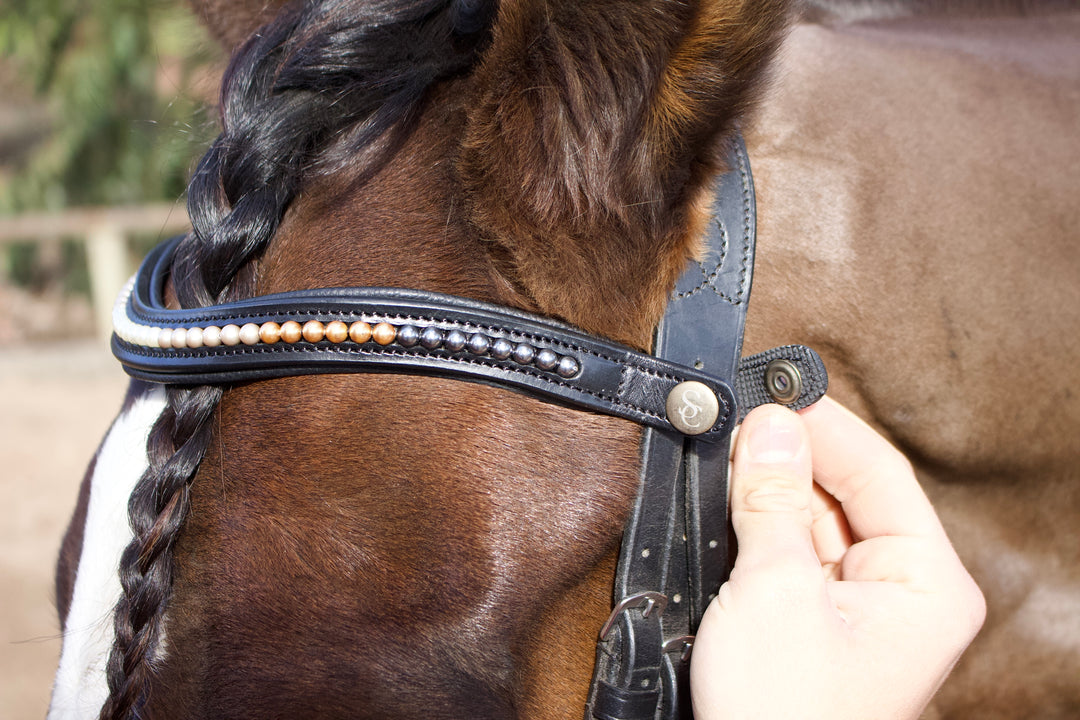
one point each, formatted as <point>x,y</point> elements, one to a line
<point>648,600</point>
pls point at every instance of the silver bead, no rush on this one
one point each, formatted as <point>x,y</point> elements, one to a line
<point>407,336</point>
<point>455,341</point>
<point>431,338</point>
<point>478,344</point>
<point>501,349</point>
<point>568,367</point>
<point>546,360</point>
<point>524,354</point>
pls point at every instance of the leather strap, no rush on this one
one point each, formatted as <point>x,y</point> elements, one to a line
<point>432,334</point>
<point>675,545</point>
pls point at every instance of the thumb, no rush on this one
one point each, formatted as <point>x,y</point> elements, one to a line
<point>771,488</point>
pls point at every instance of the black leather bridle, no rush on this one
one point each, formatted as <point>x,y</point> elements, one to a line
<point>689,394</point>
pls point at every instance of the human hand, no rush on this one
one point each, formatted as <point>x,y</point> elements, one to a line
<point>846,600</point>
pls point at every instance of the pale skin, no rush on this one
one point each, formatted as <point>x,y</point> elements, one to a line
<point>847,600</point>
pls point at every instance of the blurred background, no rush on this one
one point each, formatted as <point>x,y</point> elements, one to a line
<point>105,106</point>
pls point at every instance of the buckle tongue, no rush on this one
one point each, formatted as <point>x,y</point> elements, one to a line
<point>649,600</point>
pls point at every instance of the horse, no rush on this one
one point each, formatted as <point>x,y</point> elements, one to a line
<point>390,545</point>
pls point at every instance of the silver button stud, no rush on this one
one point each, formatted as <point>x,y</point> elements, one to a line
<point>692,407</point>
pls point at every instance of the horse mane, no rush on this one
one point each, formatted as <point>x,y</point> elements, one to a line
<point>321,82</point>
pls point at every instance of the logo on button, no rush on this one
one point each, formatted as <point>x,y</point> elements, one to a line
<point>692,407</point>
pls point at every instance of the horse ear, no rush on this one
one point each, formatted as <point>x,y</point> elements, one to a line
<point>231,22</point>
<point>592,137</point>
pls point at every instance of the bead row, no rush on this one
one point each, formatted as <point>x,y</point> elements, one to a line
<point>337,331</point>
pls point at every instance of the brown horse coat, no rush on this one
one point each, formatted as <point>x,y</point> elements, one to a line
<point>411,547</point>
<point>919,226</point>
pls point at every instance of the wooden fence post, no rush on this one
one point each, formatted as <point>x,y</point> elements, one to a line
<point>106,259</point>
<point>105,231</point>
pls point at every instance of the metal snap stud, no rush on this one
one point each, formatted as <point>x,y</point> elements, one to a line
<point>692,407</point>
<point>783,381</point>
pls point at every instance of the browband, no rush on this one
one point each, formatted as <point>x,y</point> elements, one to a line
<point>365,329</point>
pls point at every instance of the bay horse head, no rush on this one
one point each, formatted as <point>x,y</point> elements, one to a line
<point>390,545</point>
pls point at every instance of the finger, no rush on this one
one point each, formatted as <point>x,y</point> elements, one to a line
<point>771,490</point>
<point>872,480</point>
<point>829,530</point>
<point>919,564</point>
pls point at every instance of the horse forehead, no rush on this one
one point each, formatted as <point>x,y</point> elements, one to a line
<point>406,443</point>
<point>405,526</point>
<point>404,226</point>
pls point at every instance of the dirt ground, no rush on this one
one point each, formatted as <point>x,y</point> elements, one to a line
<point>56,401</point>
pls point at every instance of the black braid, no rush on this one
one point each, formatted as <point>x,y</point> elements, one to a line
<point>157,509</point>
<point>320,83</point>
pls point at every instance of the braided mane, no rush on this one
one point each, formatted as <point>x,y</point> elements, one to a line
<point>325,80</point>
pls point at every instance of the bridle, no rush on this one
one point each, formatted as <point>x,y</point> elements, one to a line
<point>689,395</point>
<point>675,552</point>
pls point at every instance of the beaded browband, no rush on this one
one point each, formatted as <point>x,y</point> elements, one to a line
<point>392,330</point>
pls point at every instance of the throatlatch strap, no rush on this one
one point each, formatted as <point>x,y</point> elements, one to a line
<point>675,551</point>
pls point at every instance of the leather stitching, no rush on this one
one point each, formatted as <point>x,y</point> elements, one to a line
<point>709,278</point>
<point>342,350</point>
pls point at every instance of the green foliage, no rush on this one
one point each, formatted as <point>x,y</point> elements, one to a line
<point>63,267</point>
<point>120,81</point>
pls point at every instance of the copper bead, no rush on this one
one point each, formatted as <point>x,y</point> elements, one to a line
<point>384,333</point>
<point>314,331</point>
<point>291,332</point>
<point>360,332</point>
<point>269,332</point>
<point>337,331</point>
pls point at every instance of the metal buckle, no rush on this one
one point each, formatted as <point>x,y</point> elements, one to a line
<point>684,645</point>
<point>648,599</point>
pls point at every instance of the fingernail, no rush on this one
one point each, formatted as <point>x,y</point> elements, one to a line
<point>774,440</point>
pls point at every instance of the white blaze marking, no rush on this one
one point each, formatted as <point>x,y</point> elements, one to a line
<point>80,688</point>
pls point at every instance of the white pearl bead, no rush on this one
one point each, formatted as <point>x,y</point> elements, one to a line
<point>230,335</point>
<point>164,338</point>
<point>211,336</point>
<point>195,337</point>
<point>179,338</point>
<point>249,334</point>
